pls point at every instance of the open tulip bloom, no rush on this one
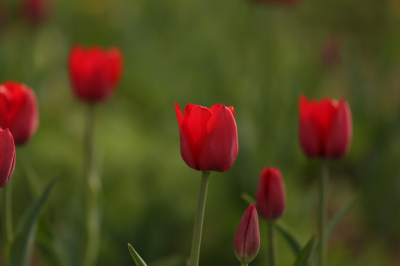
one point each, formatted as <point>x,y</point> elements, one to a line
<point>325,132</point>
<point>209,142</point>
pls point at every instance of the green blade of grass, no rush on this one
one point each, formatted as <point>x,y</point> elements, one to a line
<point>135,256</point>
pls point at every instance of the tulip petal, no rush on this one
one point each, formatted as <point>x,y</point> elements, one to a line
<point>116,61</point>
<point>340,132</point>
<point>232,110</point>
<point>309,130</point>
<point>188,109</point>
<point>217,150</point>
<point>186,142</point>
<point>197,121</point>
<point>7,156</point>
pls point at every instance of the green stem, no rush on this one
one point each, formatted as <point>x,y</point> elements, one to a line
<point>323,183</point>
<point>244,264</point>
<point>8,218</point>
<point>198,223</point>
<point>271,243</point>
<point>92,188</point>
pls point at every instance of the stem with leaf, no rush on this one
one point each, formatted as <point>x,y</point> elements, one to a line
<point>323,183</point>
<point>198,223</point>
<point>271,243</point>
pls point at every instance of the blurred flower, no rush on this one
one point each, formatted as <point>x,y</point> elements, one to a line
<point>331,51</point>
<point>95,72</point>
<point>18,110</point>
<point>247,238</point>
<point>7,156</point>
<point>271,196</point>
<point>325,128</point>
<point>208,136</point>
<point>285,2</point>
<point>36,10</point>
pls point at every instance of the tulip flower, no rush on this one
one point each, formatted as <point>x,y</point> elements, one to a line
<point>271,196</point>
<point>18,110</point>
<point>208,137</point>
<point>247,238</point>
<point>7,156</point>
<point>36,10</point>
<point>325,128</point>
<point>95,72</point>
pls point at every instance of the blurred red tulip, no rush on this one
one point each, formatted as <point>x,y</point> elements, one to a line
<point>325,128</point>
<point>330,52</point>
<point>18,110</point>
<point>209,140</point>
<point>271,195</point>
<point>7,156</point>
<point>247,238</point>
<point>95,72</point>
<point>36,10</point>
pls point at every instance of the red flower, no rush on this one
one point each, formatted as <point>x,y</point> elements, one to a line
<point>7,156</point>
<point>247,238</point>
<point>36,10</point>
<point>209,140</point>
<point>95,72</point>
<point>325,128</point>
<point>18,110</point>
<point>271,195</point>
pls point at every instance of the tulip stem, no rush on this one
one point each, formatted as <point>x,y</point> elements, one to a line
<point>198,223</point>
<point>244,264</point>
<point>323,183</point>
<point>92,187</point>
<point>271,243</point>
<point>8,218</point>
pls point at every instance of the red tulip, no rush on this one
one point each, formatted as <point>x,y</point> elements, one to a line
<point>95,72</point>
<point>18,110</point>
<point>7,156</point>
<point>271,195</point>
<point>208,136</point>
<point>247,238</point>
<point>325,128</point>
<point>36,10</point>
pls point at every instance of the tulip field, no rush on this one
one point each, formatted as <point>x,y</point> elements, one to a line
<point>199,133</point>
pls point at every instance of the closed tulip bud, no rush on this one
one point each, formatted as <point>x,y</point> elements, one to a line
<point>325,128</point>
<point>36,10</point>
<point>271,195</point>
<point>247,238</point>
<point>18,110</point>
<point>95,72</point>
<point>208,137</point>
<point>7,156</point>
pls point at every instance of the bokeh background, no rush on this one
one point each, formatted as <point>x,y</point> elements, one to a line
<point>257,57</point>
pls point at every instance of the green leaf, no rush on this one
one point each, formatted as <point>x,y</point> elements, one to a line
<point>247,198</point>
<point>305,254</point>
<point>290,238</point>
<point>138,260</point>
<point>21,248</point>
<point>339,216</point>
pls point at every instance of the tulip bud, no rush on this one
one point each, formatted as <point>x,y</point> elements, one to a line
<point>36,10</point>
<point>247,238</point>
<point>208,137</point>
<point>271,195</point>
<point>7,156</point>
<point>325,128</point>
<point>95,72</point>
<point>18,110</point>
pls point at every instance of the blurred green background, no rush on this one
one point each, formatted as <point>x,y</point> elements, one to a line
<point>259,58</point>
